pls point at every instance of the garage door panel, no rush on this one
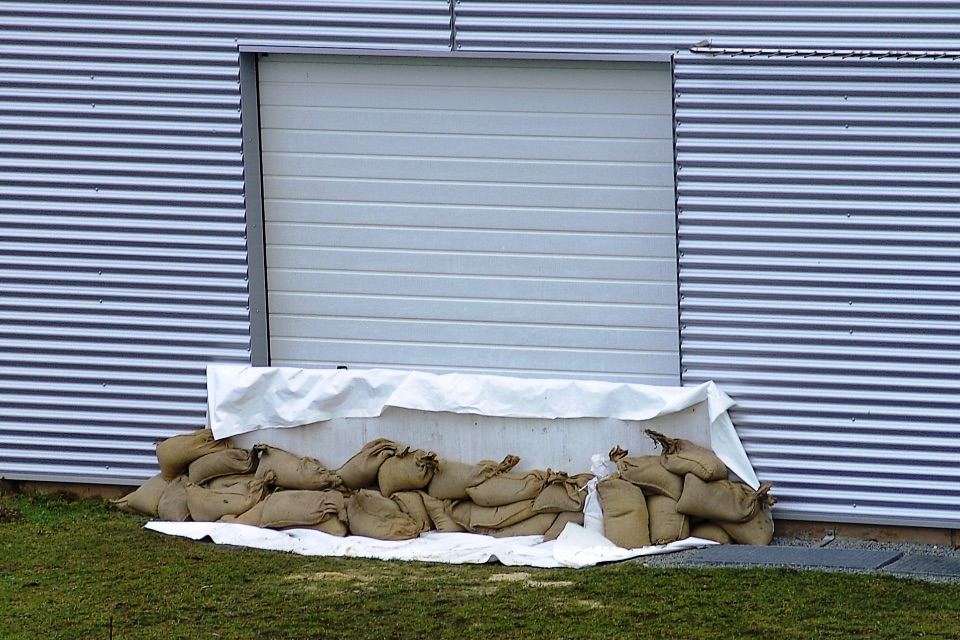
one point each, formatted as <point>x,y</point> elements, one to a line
<point>488,334</point>
<point>467,264</point>
<point>467,193</point>
<point>531,100</point>
<point>465,309</point>
<point>433,121</point>
<point>429,217</point>
<point>447,286</point>
<point>483,74</point>
<point>427,356</point>
<point>457,215</point>
<point>504,171</point>
<point>514,147</point>
<point>451,240</point>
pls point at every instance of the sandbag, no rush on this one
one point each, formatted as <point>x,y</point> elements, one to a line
<point>291,471</point>
<point>360,471</point>
<point>711,531</point>
<point>682,457</point>
<point>720,500</point>
<point>561,522</point>
<point>411,503</point>
<point>225,482</point>
<point>439,514</point>
<point>666,523</point>
<point>372,515</point>
<point>222,463</point>
<point>507,488</point>
<point>299,508</point>
<point>251,516</point>
<point>207,505</point>
<point>175,454</point>
<point>648,473</point>
<point>452,479</point>
<point>331,526</point>
<point>562,493</point>
<point>474,517</point>
<point>625,520</point>
<point>406,471</point>
<point>758,529</point>
<point>173,503</point>
<point>145,499</point>
<point>536,525</point>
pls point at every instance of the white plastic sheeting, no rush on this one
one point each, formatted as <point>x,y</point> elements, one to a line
<point>241,399</point>
<point>576,546</point>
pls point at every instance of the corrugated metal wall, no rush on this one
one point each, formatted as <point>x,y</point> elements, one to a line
<point>122,222</point>
<point>564,26</point>
<point>122,260</point>
<point>819,239</point>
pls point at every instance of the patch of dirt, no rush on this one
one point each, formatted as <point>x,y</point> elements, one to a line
<point>519,576</point>
<point>588,604</point>
<point>322,576</point>
<point>549,583</point>
<point>9,514</point>
<point>525,578</point>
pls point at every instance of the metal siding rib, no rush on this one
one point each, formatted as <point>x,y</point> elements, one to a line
<point>819,237</point>
<point>123,257</point>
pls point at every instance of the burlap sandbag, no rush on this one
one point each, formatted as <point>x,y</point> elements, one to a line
<point>562,493</point>
<point>439,513</point>
<point>331,526</point>
<point>145,499</point>
<point>474,517</point>
<point>207,505</point>
<point>360,471</point>
<point>561,522</point>
<point>298,508</point>
<point>374,516</point>
<point>682,457</point>
<point>536,525</point>
<point>452,479</point>
<point>225,482</point>
<point>507,488</point>
<point>411,503</point>
<point>648,473</point>
<point>406,471</point>
<point>175,454</point>
<point>666,523</point>
<point>173,504</point>
<point>719,500</point>
<point>291,471</point>
<point>625,520</point>
<point>251,516</point>
<point>711,531</point>
<point>758,529</point>
<point>222,463</point>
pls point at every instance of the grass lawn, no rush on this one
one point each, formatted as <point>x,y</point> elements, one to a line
<point>79,569</point>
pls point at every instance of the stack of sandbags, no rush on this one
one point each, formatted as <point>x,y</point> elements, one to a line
<point>683,492</point>
<point>393,493</point>
<point>512,504</point>
<point>205,480</point>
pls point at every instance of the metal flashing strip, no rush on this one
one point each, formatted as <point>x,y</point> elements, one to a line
<point>709,49</point>
<point>656,56</point>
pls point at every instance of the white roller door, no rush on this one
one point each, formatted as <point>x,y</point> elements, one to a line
<point>491,216</point>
